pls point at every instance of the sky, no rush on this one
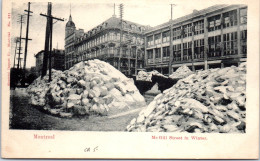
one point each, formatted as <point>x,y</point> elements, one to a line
<point>86,16</point>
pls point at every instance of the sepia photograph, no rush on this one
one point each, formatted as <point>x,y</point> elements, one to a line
<point>187,74</point>
<point>170,71</point>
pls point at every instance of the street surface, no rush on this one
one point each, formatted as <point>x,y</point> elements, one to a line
<point>24,116</point>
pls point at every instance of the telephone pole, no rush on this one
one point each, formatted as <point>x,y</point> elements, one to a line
<point>48,40</point>
<point>20,43</point>
<point>172,5</point>
<point>16,41</point>
<point>171,45</point>
<point>46,47</point>
<point>121,11</point>
<point>27,33</point>
<point>114,15</point>
<point>51,27</point>
<point>26,41</point>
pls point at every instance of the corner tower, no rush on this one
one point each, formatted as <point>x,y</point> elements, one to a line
<point>70,27</point>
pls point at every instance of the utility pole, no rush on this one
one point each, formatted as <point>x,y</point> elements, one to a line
<point>27,33</point>
<point>16,41</point>
<point>26,39</point>
<point>128,43</point>
<point>171,51</point>
<point>172,5</point>
<point>19,65</point>
<point>171,45</point>
<point>46,46</point>
<point>136,59</point>
<point>114,15</point>
<point>20,43</point>
<point>192,48</point>
<point>51,27</point>
<point>121,11</point>
<point>48,40</point>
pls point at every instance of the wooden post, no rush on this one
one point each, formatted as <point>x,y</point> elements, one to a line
<point>221,36</point>
<point>192,47</point>
<point>171,51</point>
<point>205,42</point>
<point>47,38</point>
<point>48,41</point>
<point>27,33</point>
<point>238,34</point>
<point>20,44</point>
<point>50,54</point>
<point>16,41</point>
<point>129,61</point>
<point>26,42</point>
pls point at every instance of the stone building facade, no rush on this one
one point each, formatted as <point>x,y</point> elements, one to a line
<point>71,34</point>
<point>57,60</point>
<point>39,62</point>
<point>121,46</point>
<point>209,38</point>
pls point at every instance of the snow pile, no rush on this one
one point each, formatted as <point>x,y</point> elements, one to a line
<point>181,72</point>
<point>207,101</point>
<point>147,76</point>
<point>38,89</point>
<point>90,87</point>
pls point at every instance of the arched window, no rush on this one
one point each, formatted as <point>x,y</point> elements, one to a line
<point>111,50</point>
<point>112,35</point>
<point>118,36</point>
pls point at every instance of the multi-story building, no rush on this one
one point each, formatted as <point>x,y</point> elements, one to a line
<point>57,60</point>
<point>39,62</point>
<point>71,34</point>
<point>121,46</point>
<point>209,38</point>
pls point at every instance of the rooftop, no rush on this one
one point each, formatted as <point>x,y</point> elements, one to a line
<point>114,22</point>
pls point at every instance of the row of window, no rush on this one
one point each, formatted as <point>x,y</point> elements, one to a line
<point>115,63</point>
<point>70,40</point>
<point>125,64</point>
<point>69,57</point>
<point>214,23</point>
<point>187,47</point>
<point>243,41</point>
<point>69,49</point>
<point>165,52</point>
<point>68,65</point>
<point>199,27</point>
<point>229,19</point>
<point>132,27</point>
<point>108,37</point>
<point>229,45</point>
<point>215,47</point>
<point>114,51</point>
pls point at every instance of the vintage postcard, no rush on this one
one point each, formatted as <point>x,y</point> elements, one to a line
<point>123,79</point>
